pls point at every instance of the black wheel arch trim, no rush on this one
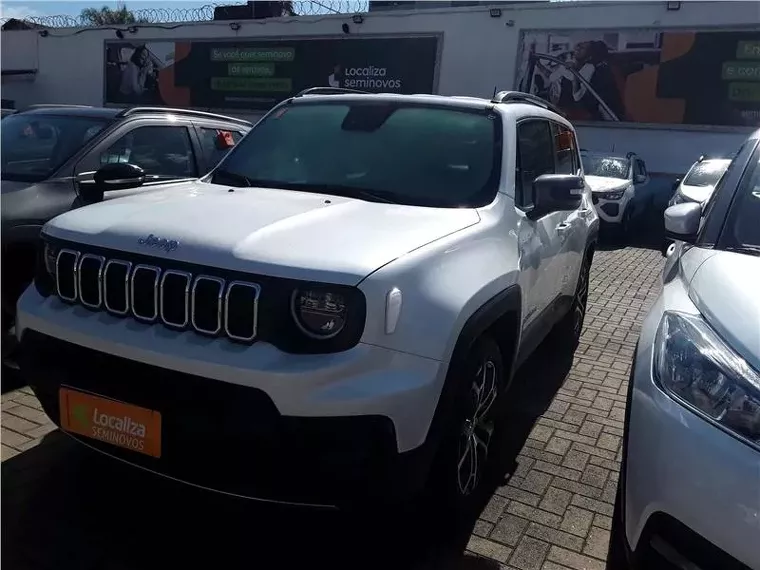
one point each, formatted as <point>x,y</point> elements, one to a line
<point>21,234</point>
<point>507,301</point>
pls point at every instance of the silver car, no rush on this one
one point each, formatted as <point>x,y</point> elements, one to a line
<point>689,492</point>
<point>700,180</point>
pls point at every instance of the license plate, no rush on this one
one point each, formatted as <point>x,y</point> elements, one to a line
<point>117,423</point>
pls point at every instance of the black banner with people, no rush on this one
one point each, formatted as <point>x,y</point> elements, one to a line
<point>646,76</point>
<point>256,75</point>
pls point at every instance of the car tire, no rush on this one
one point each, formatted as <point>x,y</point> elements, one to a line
<point>461,460</point>
<point>567,332</point>
<point>626,224</point>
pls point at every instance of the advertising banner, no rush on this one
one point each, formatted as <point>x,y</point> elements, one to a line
<point>256,75</point>
<point>646,76</point>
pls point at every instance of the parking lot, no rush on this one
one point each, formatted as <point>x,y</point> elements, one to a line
<point>552,486</point>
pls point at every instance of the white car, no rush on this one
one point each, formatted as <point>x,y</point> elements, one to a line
<point>700,180</point>
<point>338,307</point>
<point>689,486</point>
<point>614,181</point>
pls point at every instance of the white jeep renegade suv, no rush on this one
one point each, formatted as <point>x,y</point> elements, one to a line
<point>332,313</point>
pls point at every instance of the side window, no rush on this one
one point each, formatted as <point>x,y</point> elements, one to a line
<point>161,151</point>
<point>214,145</point>
<point>535,156</point>
<point>566,150</point>
<point>642,167</point>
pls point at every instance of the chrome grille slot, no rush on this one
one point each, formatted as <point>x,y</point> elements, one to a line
<point>206,304</point>
<point>90,280</point>
<point>116,286</point>
<point>174,297</point>
<point>177,299</point>
<point>240,310</point>
<point>66,270</point>
<point>144,294</point>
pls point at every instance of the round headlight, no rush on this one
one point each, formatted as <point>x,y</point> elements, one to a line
<point>319,314</point>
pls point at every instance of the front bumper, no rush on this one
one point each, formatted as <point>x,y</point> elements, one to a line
<point>689,488</point>
<point>247,420</point>
<point>610,211</point>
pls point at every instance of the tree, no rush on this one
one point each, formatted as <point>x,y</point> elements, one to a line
<point>106,16</point>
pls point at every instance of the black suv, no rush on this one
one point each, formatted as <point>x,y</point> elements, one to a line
<point>59,157</point>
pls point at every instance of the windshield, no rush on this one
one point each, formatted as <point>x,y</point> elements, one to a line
<point>606,166</point>
<point>706,173</point>
<point>741,231</point>
<point>35,146</point>
<point>416,155</point>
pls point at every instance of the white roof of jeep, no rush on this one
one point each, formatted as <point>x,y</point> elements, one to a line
<point>513,108</point>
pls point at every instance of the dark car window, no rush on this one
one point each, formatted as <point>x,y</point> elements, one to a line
<point>535,156</point>
<point>411,154</point>
<point>159,150</point>
<point>35,146</point>
<point>706,173</point>
<point>213,149</point>
<point>606,166</point>
<point>742,230</point>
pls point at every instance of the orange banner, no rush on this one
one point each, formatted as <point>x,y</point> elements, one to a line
<point>117,423</point>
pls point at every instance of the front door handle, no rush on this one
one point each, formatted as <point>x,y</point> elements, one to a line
<point>564,226</point>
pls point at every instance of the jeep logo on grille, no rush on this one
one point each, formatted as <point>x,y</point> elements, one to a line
<point>167,245</point>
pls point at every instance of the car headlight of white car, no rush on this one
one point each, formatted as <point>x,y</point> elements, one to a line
<point>614,194</point>
<point>695,366</point>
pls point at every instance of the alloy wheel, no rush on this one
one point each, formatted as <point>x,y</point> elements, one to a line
<point>477,429</point>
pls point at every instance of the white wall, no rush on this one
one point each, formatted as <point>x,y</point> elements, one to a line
<point>479,53</point>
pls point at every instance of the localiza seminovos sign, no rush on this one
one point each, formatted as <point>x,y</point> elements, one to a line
<point>258,74</point>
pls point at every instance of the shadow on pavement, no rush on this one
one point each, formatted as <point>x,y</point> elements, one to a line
<point>66,507</point>
<point>647,232</point>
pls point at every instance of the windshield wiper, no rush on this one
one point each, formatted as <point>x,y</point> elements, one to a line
<point>233,178</point>
<point>744,248</point>
<point>335,189</point>
<point>351,192</point>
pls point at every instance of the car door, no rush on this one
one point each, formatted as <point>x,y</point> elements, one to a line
<point>572,230</point>
<point>215,142</point>
<point>640,180</point>
<point>163,149</point>
<point>537,237</point>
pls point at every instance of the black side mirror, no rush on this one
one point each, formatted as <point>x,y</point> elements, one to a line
<point>555,192</point>
<point>676,184</point>
<point>115,176</point>
<point>639,178</point>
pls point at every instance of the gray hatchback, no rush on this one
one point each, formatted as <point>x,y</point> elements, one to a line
<point>689,493</point>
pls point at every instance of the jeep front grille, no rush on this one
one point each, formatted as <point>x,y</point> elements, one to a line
<point>150,294</point>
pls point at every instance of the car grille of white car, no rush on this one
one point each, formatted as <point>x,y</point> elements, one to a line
<point>177,299</point>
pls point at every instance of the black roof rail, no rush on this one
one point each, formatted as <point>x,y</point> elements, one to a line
<point>330,91</point>
<point>520,97</point>
<point>57,106</point>
<point>185,112</point>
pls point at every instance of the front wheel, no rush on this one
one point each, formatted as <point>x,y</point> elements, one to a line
<point>462,458</point>
<point>567,332</point>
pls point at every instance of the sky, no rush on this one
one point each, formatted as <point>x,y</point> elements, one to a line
<point>19,8</point>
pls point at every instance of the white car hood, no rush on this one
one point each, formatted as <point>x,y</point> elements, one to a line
<point>605,184</point>
<point>696,193</point>
<point>724,289</point>
<point>281,233</point>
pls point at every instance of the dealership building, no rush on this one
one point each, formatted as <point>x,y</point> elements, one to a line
<point>667,80</point>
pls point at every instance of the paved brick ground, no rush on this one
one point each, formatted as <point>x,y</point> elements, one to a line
<point>552,491</point>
